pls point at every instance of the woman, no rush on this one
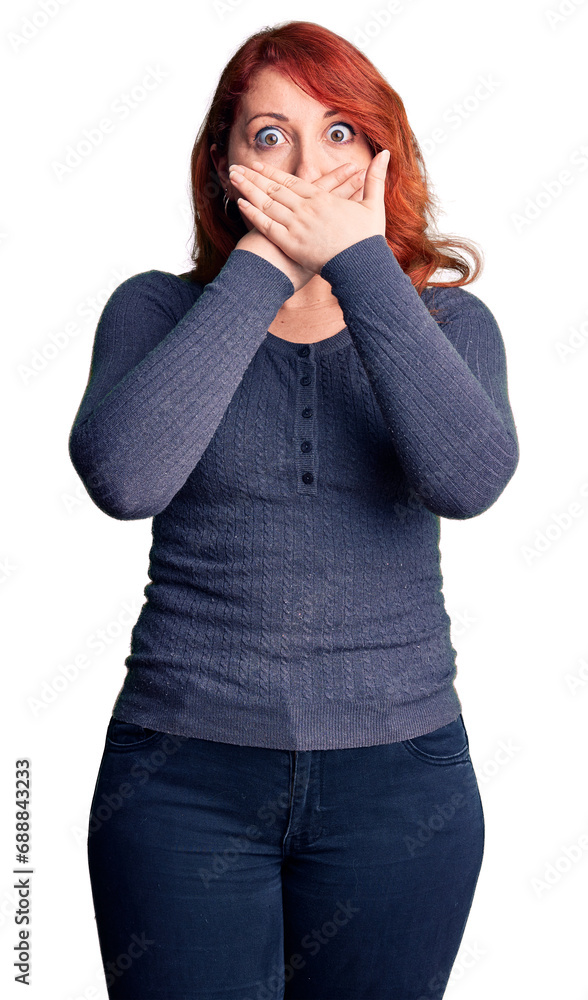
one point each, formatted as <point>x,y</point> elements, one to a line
<point>286,804</point>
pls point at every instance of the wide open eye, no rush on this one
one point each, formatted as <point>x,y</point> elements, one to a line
<point>272,132</point>
<point>338,128</point>
<point>273,141</point>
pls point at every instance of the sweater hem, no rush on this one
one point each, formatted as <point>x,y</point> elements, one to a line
<point>324,725</point>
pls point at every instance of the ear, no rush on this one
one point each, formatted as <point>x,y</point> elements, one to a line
<point>220,165</point>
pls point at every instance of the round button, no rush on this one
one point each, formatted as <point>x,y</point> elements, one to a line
<point>307,477</point>
<point>307,411</point>
<point>306,446</point>
<point>304,351</point>
<point>305,380</point>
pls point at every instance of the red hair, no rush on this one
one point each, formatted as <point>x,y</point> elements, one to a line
<point>349,81</point>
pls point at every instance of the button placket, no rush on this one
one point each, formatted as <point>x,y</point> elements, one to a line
<point>305,421</point>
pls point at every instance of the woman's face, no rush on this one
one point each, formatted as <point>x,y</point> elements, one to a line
<point>284,127</point>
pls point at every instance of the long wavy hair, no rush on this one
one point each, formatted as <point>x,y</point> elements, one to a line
<point>349,81</point>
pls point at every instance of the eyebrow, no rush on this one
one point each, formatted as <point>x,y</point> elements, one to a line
<point>282,118</point>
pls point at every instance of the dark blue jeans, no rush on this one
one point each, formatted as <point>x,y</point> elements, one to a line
<point>224,872</point>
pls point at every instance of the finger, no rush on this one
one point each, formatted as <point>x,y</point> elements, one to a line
<point>337,178</point>
<point>286,187</point>
<point>268,227</point>
<point>375,178</point>
<point>350,186</point>
<point>353,187</point>
<point>301,187</point>
<point>358,196</point>
<point>267,201</point>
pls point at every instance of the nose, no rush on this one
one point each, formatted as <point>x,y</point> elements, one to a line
<point>309,160</point>
<point>310,165</point>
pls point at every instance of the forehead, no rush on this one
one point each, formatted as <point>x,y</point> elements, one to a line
<point>269,84</point>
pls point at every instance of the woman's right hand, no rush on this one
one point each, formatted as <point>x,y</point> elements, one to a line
<point>256,242</point>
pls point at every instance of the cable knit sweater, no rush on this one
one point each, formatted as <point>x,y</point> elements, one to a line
<point>295,591</point>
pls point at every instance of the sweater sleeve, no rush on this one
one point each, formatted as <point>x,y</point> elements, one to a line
<point>442,389</point>
<point>159,386</point>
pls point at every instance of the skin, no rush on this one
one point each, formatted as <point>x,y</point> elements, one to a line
<point>291,214</point>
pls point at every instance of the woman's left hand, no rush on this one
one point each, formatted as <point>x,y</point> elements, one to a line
<point>309,224</point>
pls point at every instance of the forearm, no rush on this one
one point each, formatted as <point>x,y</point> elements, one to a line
<point>452,428</point>
<point>136,440</point>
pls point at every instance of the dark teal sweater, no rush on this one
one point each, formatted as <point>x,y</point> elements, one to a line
<point>295,596</point>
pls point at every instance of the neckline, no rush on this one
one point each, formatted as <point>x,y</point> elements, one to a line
<point>336,341</point>
<point>318,347</point>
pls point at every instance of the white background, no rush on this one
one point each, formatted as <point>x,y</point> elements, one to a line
<point>68,570</point>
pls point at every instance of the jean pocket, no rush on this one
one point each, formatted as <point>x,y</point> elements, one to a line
<point>442,746</point>
<point>122,735</point>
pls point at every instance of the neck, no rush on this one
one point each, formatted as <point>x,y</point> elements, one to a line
<point>315,296</point>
